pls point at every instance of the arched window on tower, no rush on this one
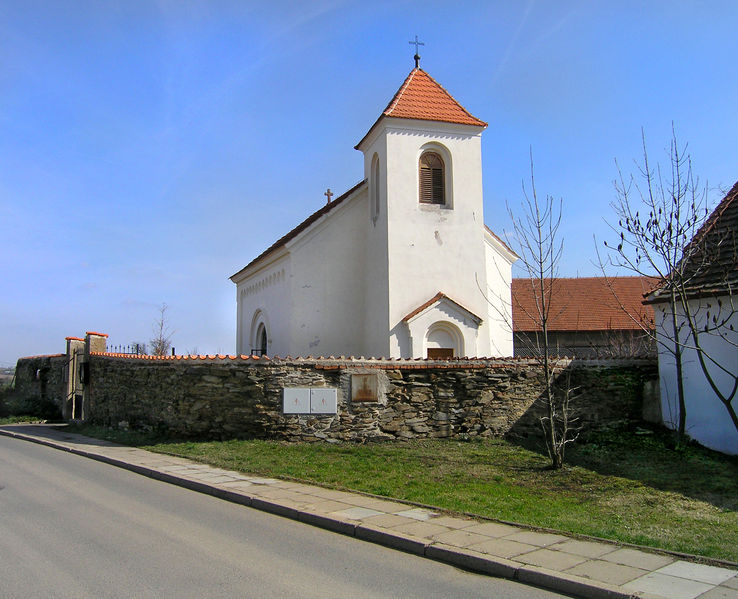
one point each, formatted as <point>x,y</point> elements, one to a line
<point>432,179</point>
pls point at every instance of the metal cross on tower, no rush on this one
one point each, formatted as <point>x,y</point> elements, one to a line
<point>417,55</point>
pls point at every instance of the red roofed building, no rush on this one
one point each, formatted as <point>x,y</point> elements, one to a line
<point>589,317</point>
<point>401,264</point>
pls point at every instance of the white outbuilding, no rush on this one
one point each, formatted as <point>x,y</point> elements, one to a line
<point>401,265</point>
<point>709,376</point>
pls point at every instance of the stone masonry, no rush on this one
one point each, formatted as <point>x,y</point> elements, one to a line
<point>228,396</point>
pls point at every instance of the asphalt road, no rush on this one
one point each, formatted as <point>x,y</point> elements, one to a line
<point>73,527</point>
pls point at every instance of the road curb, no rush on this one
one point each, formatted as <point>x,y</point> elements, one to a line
<point>393,540</point>
<point>573,585</point>
<point>454,556</point>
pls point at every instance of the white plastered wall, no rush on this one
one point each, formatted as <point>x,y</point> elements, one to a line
<point>265,291</point>
<point>499,261</point>
<point>708,421</point>
<point>434,248</point>
<point>327,282</point>
<point>376,324</point>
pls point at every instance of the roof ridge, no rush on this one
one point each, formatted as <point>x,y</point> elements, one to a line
<point>398,94</point>
<point>715,215</point>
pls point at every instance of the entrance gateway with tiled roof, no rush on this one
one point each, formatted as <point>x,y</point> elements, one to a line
<point>401,264</point>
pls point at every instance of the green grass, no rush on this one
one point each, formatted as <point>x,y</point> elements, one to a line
<point>626,486</point>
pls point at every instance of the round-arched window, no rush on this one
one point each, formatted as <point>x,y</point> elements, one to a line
<point>432,180</point>
<point>261,340</point>
<point>375,189</point>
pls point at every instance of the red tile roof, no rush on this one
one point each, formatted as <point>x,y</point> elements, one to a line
<point>421,97</point>
<point>712,265</point>
<point>584,304</point>
<point>302,226</point>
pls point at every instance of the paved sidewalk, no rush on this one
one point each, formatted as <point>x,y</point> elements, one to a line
<point>582,568</point>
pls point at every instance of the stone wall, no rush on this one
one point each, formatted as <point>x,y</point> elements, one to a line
<point>40,381</point>
<point>222,397</point>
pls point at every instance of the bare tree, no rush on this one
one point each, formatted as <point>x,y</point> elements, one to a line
<point>660,219</point>
<point>539,246</point>
<point>161,342</point>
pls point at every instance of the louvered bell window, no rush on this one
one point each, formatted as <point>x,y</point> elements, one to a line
<point>432,186</point>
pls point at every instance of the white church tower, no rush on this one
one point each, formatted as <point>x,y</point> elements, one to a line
<point>401,265</point>
<point>423,162</point>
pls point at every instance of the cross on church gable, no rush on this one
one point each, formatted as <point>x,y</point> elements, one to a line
<point>328,194</point>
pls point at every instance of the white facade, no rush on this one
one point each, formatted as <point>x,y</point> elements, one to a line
<point>351,279</point>
<point>708,421</point>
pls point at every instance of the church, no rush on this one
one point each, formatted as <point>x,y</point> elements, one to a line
<point>402,264</point>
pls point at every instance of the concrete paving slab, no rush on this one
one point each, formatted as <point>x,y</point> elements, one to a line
<point>493,529</point>
<point>383,505</point>
<point>503,548</point>
<point>698,572</point>
<point>198,467</point>
<point>175,468</point>
<point>216,478</point>
<point>297,500</point>
<point>731,583</point>
<point>459,538</point>
<point>219,472</point>
<point>299,487</point>
<point>607,572</point>
<point>275,492</point>
<point>330,494</point>
<point>452,522</point>
<point>424,530</point>
<point>356,513</point>
<point>388,520</point>
<point>553,560</point>
<point>720,593</point>
<point>237,485</point>
<point>638,559</point>
<point>584,548</point>
<point>418,513</point>
<point>540,539</point>
<point>262,481</point>
<point>326,506</point>
<point>668,586</point>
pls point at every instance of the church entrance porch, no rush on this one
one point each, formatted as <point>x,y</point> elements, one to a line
<point>442,328</point>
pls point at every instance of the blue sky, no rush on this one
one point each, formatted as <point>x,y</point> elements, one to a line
<point>149,150</point>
